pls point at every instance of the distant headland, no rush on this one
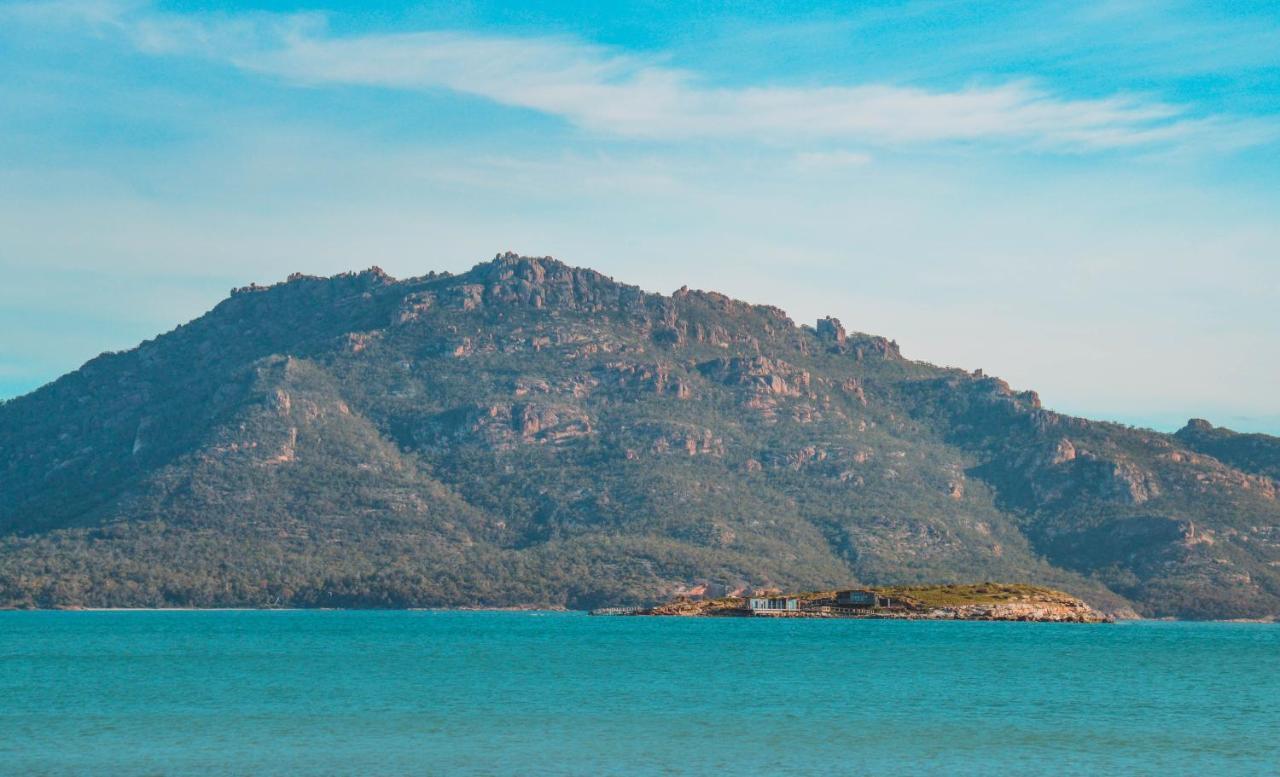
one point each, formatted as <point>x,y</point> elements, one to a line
<point>975,602</point>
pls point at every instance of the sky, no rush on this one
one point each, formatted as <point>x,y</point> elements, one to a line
<point>1081,198</point>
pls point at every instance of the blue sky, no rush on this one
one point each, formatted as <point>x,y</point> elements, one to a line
<point>1081,198</point>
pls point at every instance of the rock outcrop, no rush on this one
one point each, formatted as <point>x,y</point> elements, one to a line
<point>982,602</point>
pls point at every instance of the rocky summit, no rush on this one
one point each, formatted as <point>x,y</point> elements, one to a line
<point>533,434</point>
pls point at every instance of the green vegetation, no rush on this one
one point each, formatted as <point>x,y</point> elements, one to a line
<point>974,593</point>
<point>1258,454</point>
<point>533,434</point>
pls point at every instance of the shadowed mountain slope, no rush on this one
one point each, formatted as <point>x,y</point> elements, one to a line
<point>531,434</point>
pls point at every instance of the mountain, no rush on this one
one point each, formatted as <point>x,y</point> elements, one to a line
<point>1258,454</point>
<point>532,434</point>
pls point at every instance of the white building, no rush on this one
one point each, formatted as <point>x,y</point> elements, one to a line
<point>773,604</point>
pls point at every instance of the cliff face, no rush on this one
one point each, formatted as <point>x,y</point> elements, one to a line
<point>528,433</point>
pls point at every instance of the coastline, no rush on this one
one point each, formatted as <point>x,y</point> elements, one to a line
<point>1263,621</point>
<point>676,609</point>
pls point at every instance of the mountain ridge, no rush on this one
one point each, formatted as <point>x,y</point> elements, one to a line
<point>529,433</point>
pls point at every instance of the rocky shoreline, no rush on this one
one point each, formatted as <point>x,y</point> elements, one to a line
<point>978,602</point>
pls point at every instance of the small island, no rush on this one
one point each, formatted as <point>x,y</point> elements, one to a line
<point>972,602</point>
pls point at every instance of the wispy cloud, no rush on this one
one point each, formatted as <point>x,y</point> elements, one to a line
<point>620,94</point>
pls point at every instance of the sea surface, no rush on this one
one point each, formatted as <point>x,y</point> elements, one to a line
<point>498,693</point>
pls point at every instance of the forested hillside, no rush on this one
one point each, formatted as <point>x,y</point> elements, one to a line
<point>528,433</point>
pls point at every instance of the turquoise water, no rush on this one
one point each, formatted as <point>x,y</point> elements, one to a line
<point>373,693</point>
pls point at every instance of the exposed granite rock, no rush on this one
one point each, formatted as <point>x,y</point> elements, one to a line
<point>830,329</point>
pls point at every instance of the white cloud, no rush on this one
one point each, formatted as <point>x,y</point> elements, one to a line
<point>619,94</point>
